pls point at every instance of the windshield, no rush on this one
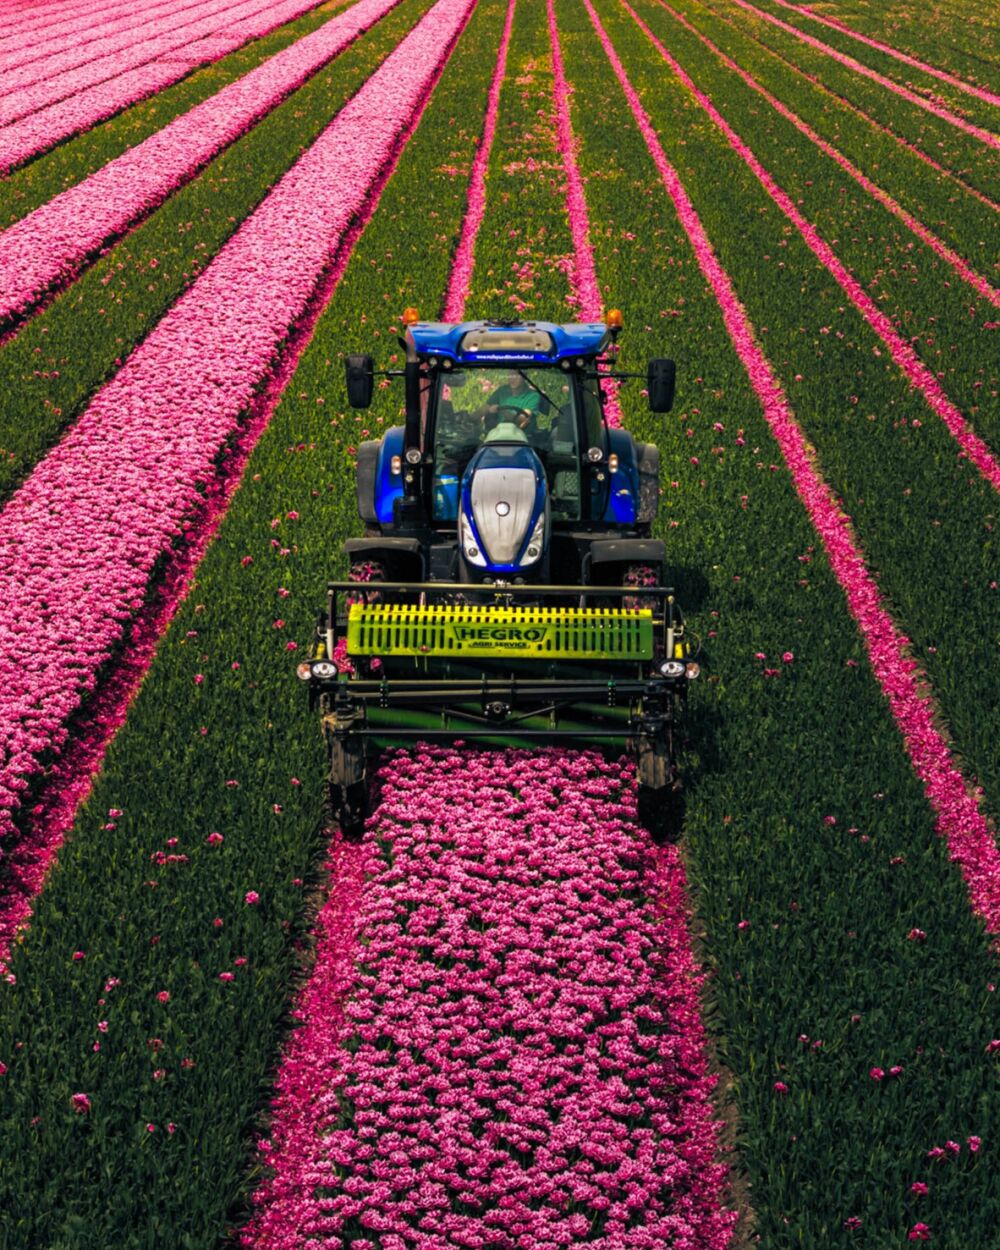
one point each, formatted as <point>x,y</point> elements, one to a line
<point>529,406</point>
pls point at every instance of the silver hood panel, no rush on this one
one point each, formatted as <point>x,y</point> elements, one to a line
<point>503,535</point>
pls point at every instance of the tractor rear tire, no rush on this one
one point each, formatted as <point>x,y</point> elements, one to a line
<point>662,812</point>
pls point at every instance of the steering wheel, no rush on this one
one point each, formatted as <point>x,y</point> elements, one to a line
<point>524,412</point>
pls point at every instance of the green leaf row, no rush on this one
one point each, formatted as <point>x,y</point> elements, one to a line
<point>979,112</point>
<point>49,371</point>
<point>944,205</point>
<point>961,36</point>
<point>923,516</point>
<point>71,162</point>
<point>809,846</point>
<point>961,153</point>
<point>238,754</point>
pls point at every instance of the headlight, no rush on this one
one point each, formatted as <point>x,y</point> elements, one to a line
<point>672,668</point>
<point>691,671</point>
<point>304,672</point>
<point>534,548</point>
<point>467,541</point>
<point>324,668</point>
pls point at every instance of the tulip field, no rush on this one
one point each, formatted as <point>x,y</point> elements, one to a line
<point>505,1019</point>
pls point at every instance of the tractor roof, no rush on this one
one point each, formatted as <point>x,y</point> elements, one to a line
<point>489,342</point>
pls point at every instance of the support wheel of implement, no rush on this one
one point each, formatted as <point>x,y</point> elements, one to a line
<point>366,572</point>
<point>350,807</point>
<point>662,812</point>
<point>639,575</point>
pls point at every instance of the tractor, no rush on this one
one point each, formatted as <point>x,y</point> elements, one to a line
<point>507,589</point>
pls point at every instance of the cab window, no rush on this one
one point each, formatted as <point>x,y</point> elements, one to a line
<point>476,407</point>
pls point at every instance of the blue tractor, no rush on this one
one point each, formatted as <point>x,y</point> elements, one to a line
<point>507,588</point>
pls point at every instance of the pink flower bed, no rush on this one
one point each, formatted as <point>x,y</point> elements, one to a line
<point>922,378</point>
<point>48,83</point>
<point>941,249</point>
<point>49,244</point>
<point>79,540</point>
<point>69,779</point>
<point>833,23</point>
<point>93,34</point>
<point>985,136</point>
<point>85,106</point>
<point>526,1063</point>
<point>959,818</point>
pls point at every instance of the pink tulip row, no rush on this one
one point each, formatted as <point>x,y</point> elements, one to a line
<point>22,139</point>
<point>79,540</point>
<point>61,75</point>
<point>462,265</point>
<point>941,249</point>
<point>922,378</point>
<point>586,292</point>
<point>68,781</point>
<point>959,818</point>
<point>528,1062</point>
<point>833,23</point>
<point>50,244</point>
<point>66,45</point>
<point>938,110</point>
<point>875,124</point>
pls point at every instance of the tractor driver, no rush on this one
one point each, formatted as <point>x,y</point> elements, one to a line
<point>511,409</point>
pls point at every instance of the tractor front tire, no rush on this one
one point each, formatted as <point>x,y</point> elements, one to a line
<point>351,806</point>
<point>662,812</point>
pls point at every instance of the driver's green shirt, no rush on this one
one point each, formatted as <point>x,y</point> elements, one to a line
<point>528,398</point>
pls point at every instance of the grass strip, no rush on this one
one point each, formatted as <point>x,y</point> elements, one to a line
<point>178,1187</point>
<point>963,36</point>
<point>50,370</point>
<point>922,515</point>
<point>811,860</point>
<point>833,23</point>
<point>960,108</point>
<point>52,243</point>
<point>917,181</point>
<point>82,106</point>
<point>883,317</point>
<point>42,179</point>
<point>965,156</point>
<point>924,233</point>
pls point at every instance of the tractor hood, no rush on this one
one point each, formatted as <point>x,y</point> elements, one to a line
<point>503,523</point>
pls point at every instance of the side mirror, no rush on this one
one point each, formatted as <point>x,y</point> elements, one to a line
<point>661,379</point>
<point>360,381</point>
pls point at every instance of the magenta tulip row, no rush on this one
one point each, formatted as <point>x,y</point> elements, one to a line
<point>80,539</point>
<point>833,23</point>
<point>79,107</point>
<point>22,18</point>
<point>947,254</point>
<point>50,244</point>
<point>930,106</point>
<point>959,818</point>
<point>922,378</point>
<point>93,35</point>
<point>528,1061</point>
